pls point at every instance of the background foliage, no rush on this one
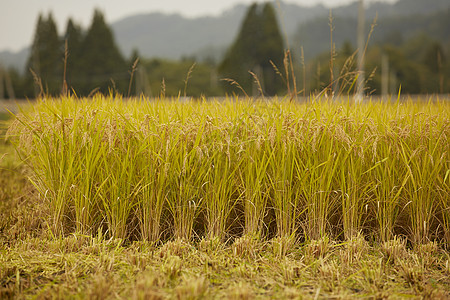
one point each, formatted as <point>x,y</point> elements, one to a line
<point>413,37</point>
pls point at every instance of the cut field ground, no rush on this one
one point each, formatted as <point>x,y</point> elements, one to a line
<point>107,198</point>
<point>91,268</point>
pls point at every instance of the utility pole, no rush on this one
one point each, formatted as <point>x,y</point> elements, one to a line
<point>384,76</point>
<point>360,40</point>
<point>9,86</point>
<point>37,69</point>
<point>5,81</point>
<point>2,87</point>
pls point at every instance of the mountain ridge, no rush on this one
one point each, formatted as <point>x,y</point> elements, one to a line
<point>175,36</point>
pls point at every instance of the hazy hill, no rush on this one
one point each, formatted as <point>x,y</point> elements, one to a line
<point>314,35</point>
<point>397,9</point>
<point>15,60</point>
<point>174,36</point>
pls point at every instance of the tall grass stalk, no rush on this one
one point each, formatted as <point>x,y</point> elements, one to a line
<point>187,176</point>
<point>285,190</point>
<point>353,179</point>
<point>255,189</point>
<point>85,187</point>
<point>424,164</point>
<point>119,195</point>
<point>154,185</point>
<point>318,168</point>
<point>221,190</point>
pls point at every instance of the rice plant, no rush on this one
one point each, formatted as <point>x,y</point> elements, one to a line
<point>155,170</point>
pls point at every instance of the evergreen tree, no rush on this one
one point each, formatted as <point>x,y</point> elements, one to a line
<point>258,42</point>
<point>271,49</point>
<point>240,57</point>
<point>46,57</point>
<point>74,39</point>
<point>102,64</point>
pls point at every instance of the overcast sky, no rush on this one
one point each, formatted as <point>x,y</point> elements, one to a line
<point>18,17</point>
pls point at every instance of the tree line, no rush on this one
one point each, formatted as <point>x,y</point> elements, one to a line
<point>85,62</point>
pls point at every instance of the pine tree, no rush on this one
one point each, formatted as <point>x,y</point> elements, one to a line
<point>74,39</point>
<point>102,64</point>
<point>271,48</point>
<point>258,42</point>
<point>240,57</point>
<point>46,57</point>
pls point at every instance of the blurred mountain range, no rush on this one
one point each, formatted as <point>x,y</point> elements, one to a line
<point>207,38</point>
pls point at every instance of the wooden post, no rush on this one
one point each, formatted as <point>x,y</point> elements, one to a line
<point>2,87</point>
<point>384,76</point>
<point>360,41</point>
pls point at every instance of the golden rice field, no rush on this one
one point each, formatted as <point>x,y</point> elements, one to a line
<point>140,170</point>
<point>330,197</point>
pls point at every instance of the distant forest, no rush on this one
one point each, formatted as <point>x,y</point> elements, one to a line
<point>412,48</point>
